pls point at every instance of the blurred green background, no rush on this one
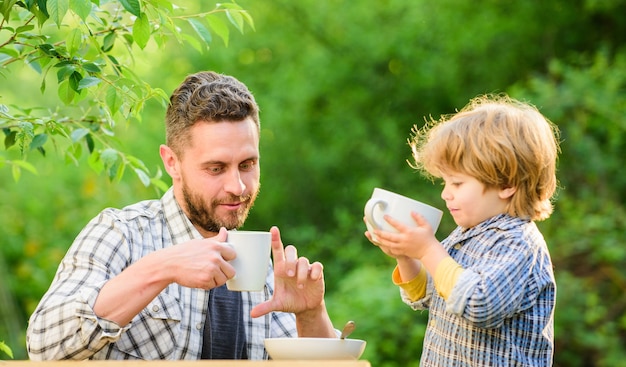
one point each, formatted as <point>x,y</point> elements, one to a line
<point>340,84</point>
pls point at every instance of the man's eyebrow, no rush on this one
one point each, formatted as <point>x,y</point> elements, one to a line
<point>212,163</point>
<point>218,162</point>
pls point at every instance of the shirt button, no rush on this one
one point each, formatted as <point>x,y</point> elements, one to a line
<point>199,326</point>
<point>155,308</point>
<point>458,246</point>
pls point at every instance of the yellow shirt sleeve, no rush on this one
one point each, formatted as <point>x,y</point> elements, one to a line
<point>414,288</point>
<point>446,276</point>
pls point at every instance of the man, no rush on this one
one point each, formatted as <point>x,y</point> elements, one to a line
<point>148,281</point>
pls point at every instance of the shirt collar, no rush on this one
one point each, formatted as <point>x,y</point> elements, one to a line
<point>500,222</point>
<point>180,226</point>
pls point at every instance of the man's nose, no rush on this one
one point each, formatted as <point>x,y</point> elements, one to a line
<point>234,184</point>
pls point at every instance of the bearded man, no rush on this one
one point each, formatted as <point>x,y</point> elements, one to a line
<point>148,281</point>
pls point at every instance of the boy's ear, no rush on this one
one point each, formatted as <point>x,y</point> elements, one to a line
<point>507,192</point>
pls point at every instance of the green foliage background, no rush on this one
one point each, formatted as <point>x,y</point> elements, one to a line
<point>340,84</point>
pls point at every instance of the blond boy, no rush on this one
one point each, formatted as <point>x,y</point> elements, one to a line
<point>489,286</point>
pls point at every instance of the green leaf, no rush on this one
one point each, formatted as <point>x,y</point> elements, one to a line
<point>108,41</point>
<point>57,10</point>
<point>42,87</point>
<point>135,162</point>
<point>113,100</point>
<point>201,30</point>
<point>5,348</point>
<point>109,156</point>
<point>38,141</point>
<point>74,41</point>
<point>128,38</point>
<point>141,30</point>
<point>95,163</point>
<point>160,184</point>
<point>24,28</point>
<point>74,80</point>
<point>90,143</point>
<point>114,61</point>
<point>88,81</point>
<point>248,18</point>
<point>219,27</point>
<point>6,50</point>
<point>91,67</point>
<point>78,134</point>
<point>143,177</point>
<point>25,134</point>
<point>116,172</point>
<point>65,70</point>
<point>65,92</point>
<point>235,18</point>
<point>73,153</point>
<point>18,165</point>
<point>132,6</point>
<point>5,7</point>
<point>25,165</point>
<point>43,6</point>
<point>16,172</point>
<point>9,139</point>
<point>82,8</point>
<point>48,50</point>
<point>194,42</point>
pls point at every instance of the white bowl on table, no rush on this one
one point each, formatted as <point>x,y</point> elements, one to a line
<point>314,348</point>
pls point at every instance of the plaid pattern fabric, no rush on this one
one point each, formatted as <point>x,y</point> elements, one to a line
<point>501,311</point>
<point>64,325</point>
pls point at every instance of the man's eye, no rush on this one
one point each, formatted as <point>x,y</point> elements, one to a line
<point>247,165</point>
<point>214,169</point>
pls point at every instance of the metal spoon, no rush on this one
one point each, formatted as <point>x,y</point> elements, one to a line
<point>347,329</point>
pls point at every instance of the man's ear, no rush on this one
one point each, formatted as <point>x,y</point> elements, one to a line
<point>170,161</point>
<point>507,192</point>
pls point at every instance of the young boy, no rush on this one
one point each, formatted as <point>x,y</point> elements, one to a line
<point>489,286</point>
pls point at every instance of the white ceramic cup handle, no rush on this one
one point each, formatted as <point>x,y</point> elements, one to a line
<point>369,211</point>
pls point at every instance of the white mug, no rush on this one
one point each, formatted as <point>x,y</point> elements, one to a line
<point>399,207</point>
<point>253,250</point>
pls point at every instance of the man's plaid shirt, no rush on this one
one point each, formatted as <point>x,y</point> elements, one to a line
<point>64,325</point>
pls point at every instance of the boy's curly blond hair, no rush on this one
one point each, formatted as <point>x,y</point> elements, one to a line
<point>501,142</point>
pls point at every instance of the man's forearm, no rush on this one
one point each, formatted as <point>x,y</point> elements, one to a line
<point>124,296</point>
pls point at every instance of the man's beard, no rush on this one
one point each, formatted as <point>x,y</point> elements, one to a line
<point>205,217</point>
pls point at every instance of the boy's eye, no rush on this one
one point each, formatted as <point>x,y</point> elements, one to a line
<point>451,183</point>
